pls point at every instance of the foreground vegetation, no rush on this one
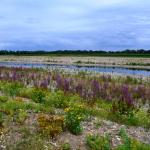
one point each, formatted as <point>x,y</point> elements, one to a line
<point>39,107</point>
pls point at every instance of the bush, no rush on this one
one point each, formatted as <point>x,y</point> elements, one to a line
<point>126,139</point>
<point>50,125</point>
<point>75,114</point>
<point>20,116</point>
<point>121,107</point>
<point>57,99</point>
<point>130,79</point>
<point>96,142</point>
<point>26,92</point>
<point>12,106</point>
<point>66,146</point>
<point>12,89</point>
<point>3,99</point>
<point>38,96</point>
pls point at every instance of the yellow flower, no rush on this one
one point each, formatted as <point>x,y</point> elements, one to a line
<point>67,109</point>
<point>79,118</point>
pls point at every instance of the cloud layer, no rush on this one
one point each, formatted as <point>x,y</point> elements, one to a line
<point>75,24</point>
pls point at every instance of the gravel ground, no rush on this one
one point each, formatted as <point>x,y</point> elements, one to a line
<point>112,128</point>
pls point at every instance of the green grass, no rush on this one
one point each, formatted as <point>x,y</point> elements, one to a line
<point>96,142</point>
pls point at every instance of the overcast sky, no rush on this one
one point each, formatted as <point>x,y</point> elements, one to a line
<point>74,24</point>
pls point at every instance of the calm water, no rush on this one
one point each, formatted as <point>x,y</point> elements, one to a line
<point>118,70</point>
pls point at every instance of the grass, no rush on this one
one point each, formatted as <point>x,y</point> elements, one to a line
<point>96,142</point>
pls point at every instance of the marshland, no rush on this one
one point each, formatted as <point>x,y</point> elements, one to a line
<point>74,74</point>
<point>60,109</point>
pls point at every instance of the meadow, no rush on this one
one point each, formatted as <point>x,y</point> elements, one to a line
<point>58,110</point>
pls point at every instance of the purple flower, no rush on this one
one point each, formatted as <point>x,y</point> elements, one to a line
<point>95,87</point>
<point>126,95</point>
<point>79,89</point>
<point>44,84</point>
<point>59,82</point>
<point>66,85</point>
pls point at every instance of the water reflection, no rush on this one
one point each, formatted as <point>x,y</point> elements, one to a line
<point>119,70</point>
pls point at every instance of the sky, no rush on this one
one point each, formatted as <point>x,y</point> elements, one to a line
<point>74,24</point>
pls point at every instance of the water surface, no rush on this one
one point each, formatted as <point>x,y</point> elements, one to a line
<point>102,69</point>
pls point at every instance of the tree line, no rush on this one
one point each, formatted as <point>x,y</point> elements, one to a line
<point>127,52</point>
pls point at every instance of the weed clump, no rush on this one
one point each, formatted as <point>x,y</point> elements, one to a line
<point>75,114</point>
<point>50,125</point>
<point>96,142</point>
<point>38,95</point>
<point>12,89</point>
<point>3,99</point>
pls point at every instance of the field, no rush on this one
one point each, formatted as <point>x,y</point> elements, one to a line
<point>57,110</point>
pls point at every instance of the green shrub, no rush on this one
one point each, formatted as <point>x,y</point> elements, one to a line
<point>38,96</point>
<point>121,107</point>
<point>57,99</point>
<point>3,99</point>
<point>123,112</point>
<point>20,116</point>
<point>26,92</point>
<point>96,142</point>
<point>143,118</point>
<point>75,114</point>
<point>12,89</point>
<point>138,118</point>
<point>126,139</point>
<point>130,79</point>
<point>13,105</point>
<point>66,146</point>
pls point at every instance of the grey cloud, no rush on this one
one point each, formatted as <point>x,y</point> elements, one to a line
<point>76,24</point>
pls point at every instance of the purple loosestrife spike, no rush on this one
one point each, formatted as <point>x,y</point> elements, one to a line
<point>66,85</point>
<point>35,83</point>
<point>32,76</point>
<point>95,87</point>
<point>126,95</point>
<point>48,79</point>
<point>141,91</point>
<point>105,85</point>
<point>79,89</point>
<point>14,76</point>
<point>59,82</point>
<point>71,85</point>
<point>44,84</point>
